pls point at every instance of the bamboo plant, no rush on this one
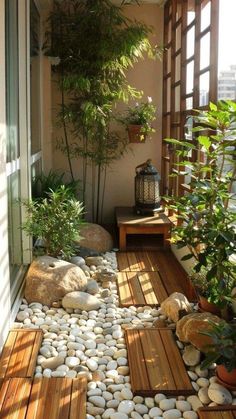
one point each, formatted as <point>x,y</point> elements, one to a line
<point>96,45</point>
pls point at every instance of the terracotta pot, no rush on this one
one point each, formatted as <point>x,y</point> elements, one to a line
<point>135,134</point>
<point>205,305</point>
<point>229,378</point>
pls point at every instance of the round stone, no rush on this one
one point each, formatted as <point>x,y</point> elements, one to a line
<point>126,406</point>
<point>158,397</point>
<point>141,408</point>
<point>203,395</point>
<point>172,414</point>
<point>126,393</point>
<point>97,401</point>
<point>182,405</point>
<point>203,382</point>
<point>155,411</point>
<point>72,361</point>
<point>167,404</point>
<point>92,364</point>
<point>190,415</point>
<point>219,394</point>
<point>22,315</point>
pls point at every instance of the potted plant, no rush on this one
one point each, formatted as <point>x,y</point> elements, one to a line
<point>138,121</point>
<point>207,292</point>
<point>222,351</point>
<point>55,220</point>
<point>206,214</point>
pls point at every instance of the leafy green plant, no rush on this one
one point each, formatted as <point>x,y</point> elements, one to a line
<point>141,114</point>
<point>222,351</point>
<point>96,45</point>
<point>56,220</point>
<point>207,213</point>
<point>43,183</point>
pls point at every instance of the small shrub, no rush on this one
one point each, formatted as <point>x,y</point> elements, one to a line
<point>56,220</point>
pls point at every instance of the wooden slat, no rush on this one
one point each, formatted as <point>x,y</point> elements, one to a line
<point>122,261</point>
<point>78,398</point>
<point>159,363</point>
<point>135,288</point>
<point>14,397</point>
<point>20,353</point>
<point>124,290</point>
<point>140,289</point>
<point>138,372</point>
<point>217,412</point>
<point>146,286</point>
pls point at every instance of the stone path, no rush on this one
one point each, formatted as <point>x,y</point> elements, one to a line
<point>91,344</point>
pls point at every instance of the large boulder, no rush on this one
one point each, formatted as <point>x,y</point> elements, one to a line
<point>175,306</point>
<point>189,328</point>
<point>95,237</point>
<point>81,300</point>
<point>49,279</point>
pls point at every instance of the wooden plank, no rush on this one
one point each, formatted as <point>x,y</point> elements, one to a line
<point>156,361</point>
<point>122,262</point>
<point>139,376</point>
<point>217,412</point>
<point>158,286</point>
<point>178,371</point>
<point>159,363</point>
<point>133,262</point>
<point>78,398</point>
<point>146,285</point>
<point>135,289</point>
<point>20,352</point>
<point>6,353</point>
<point>124,290</point>
<point>14,398</point>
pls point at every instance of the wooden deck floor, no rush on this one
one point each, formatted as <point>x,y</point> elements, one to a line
<point>148,277</point>
<point>42,398</point>
<point>155,363</point>
<point>217,412</point>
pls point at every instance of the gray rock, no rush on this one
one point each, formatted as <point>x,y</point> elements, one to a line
<point>92,287</point>
<point>77,260</point>
<point>80,300</point>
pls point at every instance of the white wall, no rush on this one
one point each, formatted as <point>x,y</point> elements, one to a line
<point>4,265</point>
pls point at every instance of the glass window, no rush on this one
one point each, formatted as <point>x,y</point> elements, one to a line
<point>190,42</point>
<point>205,14</point>
<point>204,89</point>
<point>205,51</point>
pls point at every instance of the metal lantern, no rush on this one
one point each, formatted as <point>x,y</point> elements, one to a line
<point>147,196</point>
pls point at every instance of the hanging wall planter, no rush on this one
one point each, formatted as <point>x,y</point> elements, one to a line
<point>135,134</point>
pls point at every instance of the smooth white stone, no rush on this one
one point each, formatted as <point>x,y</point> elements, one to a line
<point>122,361</point>
<point>195,402</point>
<point>126,393</point>
<point>219,394</point>
<point>22,315</point>
<point>158,397</point>
<point>112,365</point>
<point>97,401</point>
<point>92,365</point>
<point>172,414</point>
<point>203,382</point>
<point>141,408</point>
<point>190,415</point>
<point>71,374</point>
<point>126,406</point>
<point>149,401</point>
<point>155,411</point>
<point>47,373</point>
<point>119,415</point>
<point>182,405</point>
<point>72,361</point>
<point>94,392</point>
<point>107,414</point>
<point>58,374</point>
<point>167,404</point>
<point>201,373</point>
<point>136,415</point>
<point>107,395</point>
<point>203,395</point>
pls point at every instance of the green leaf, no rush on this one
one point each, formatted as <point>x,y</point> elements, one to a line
<point>204,141</point>
<point>187,257</point>
<point>212,106</point>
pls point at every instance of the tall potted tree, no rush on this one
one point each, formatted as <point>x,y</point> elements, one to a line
<point>207,213</point>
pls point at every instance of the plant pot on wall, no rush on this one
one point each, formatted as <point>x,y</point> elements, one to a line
<point>135,134</point>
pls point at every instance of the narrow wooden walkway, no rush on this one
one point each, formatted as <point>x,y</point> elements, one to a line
<point>42,398</point>
<point>155,363</point>
<point>217,412</point>
<point>148,277</point>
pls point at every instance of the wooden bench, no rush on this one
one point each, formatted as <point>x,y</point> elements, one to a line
<point>42,398</point>
<point>130,223</point>
<point>217,412</point>
<point>19,355</point>
<point>155,363</point>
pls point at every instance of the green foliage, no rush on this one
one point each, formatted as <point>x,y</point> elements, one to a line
<point>222,351</point>
<point>96,45</point>
<point>43,183</point>
<point>141,114</point>
<point>56,220</point>
<point>207,213</point>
